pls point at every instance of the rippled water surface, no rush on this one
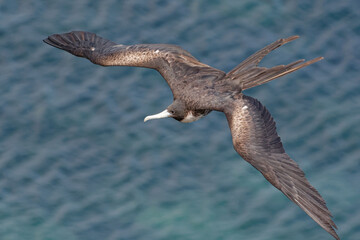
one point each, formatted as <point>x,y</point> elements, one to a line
<point>77,162</point>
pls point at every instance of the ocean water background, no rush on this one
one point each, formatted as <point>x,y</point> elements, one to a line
<point>77,162</point>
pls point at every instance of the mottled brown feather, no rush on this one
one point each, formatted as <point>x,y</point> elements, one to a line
<point>256,140</point>
<point>176,65</point>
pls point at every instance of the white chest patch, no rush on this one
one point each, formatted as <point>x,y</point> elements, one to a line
<point>191,118</point>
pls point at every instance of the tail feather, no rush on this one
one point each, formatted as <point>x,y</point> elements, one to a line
<point>247,74</point>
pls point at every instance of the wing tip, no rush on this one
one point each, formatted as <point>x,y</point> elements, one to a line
<point>46,40</point>
<point>333,233</point>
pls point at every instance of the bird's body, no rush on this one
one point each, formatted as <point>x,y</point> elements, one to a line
<point>199,89</point>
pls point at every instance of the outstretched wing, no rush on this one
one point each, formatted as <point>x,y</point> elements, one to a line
<point>248,74</point>
<point>256,140</point>
<point>173,63</point>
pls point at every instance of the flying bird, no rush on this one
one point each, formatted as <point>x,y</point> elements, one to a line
<point>199,89</point>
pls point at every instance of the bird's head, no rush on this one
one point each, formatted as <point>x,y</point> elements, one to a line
<point>176,110</point>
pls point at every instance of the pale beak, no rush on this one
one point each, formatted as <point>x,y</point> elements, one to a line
<point>163,114</point>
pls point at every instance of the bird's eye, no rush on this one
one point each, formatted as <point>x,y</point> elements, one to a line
<point>172,111</point>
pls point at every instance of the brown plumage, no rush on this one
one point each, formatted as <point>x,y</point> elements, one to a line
<point>198,89</point>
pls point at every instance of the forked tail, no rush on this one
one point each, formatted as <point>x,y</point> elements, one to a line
<point>247,74</point>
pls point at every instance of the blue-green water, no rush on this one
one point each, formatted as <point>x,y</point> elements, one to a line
<point>77,162</point>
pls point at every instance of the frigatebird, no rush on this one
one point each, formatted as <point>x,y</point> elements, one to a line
<point>199,89</point>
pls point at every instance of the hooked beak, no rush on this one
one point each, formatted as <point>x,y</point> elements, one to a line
<point>163,114</point>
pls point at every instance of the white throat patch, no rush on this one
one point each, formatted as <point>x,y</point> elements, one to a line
<point>191,118</point>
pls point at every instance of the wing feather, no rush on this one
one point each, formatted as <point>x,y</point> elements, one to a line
<point>256,140</point>
<point>174,63</point>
